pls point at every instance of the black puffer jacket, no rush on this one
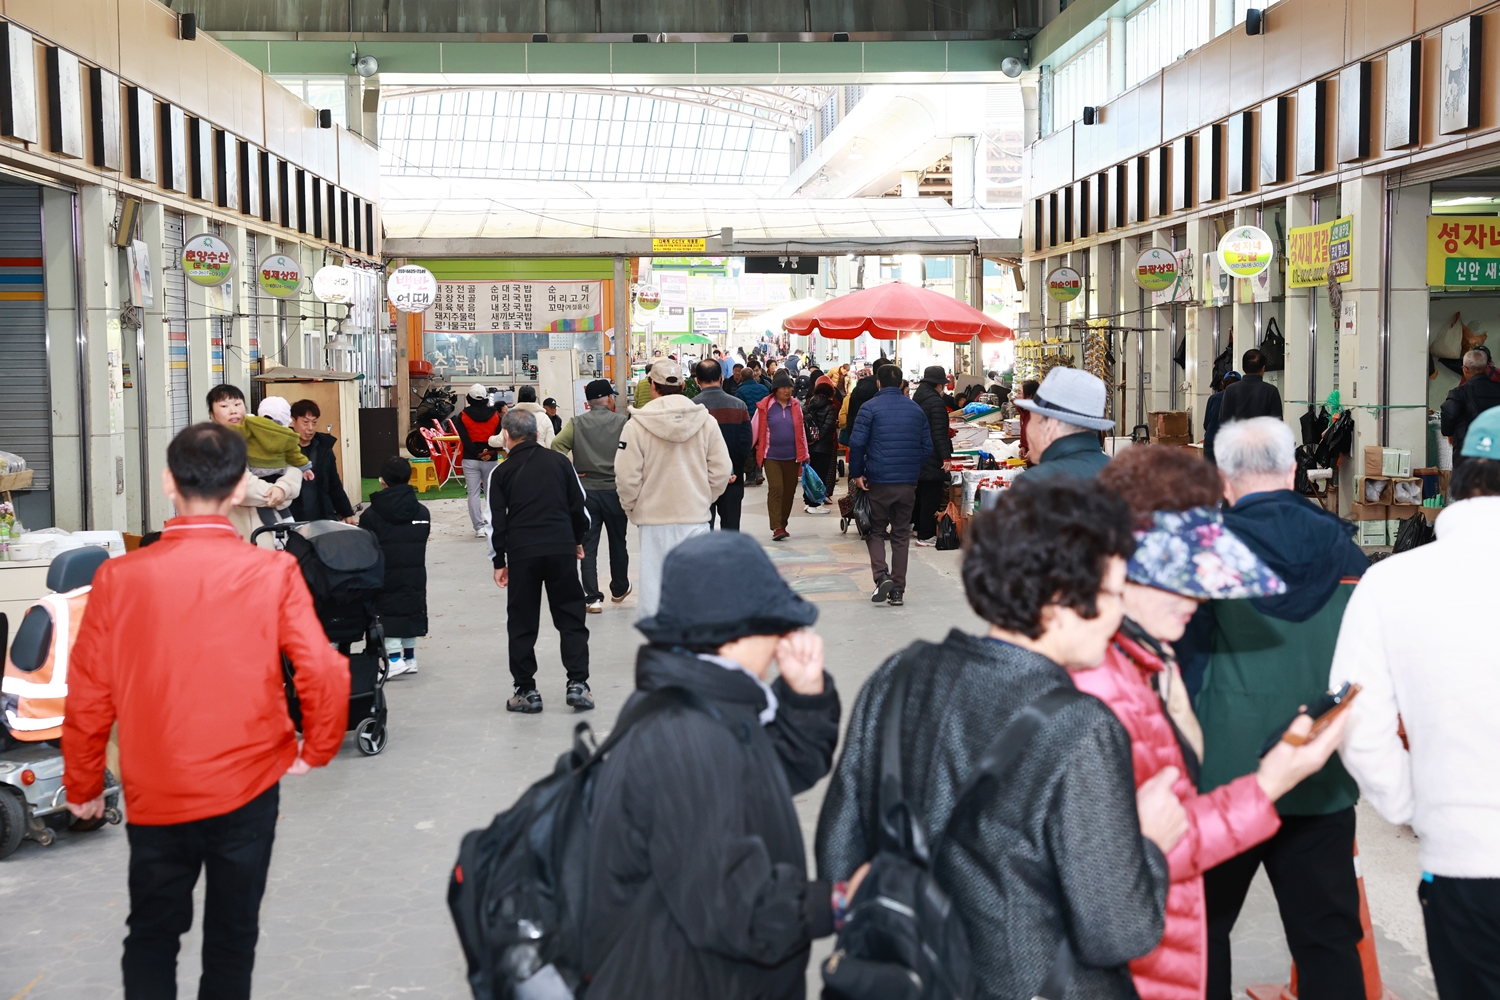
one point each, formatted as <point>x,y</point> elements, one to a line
<point>1059,851</point>
<point>402,526</point>
<point>819,412</point>
<point>322,497</point>
<point>927,397</point>
<point>698,877</point>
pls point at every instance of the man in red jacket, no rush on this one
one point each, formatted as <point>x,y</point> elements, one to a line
<point>182,646</point>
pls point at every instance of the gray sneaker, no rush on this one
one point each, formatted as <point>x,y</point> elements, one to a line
<point>579,696</point>
<point>529,702</point>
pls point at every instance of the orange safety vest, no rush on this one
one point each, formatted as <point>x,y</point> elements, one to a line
<point>40,695</point>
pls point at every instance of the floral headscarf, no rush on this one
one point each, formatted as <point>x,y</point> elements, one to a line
<point>1191,553</point>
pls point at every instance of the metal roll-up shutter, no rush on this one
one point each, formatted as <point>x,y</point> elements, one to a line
<point>25,386</point>
<point>174,286</point>
<point>218,328</point>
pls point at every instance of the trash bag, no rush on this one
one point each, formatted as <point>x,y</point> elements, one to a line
<point>1337,440</point>
<point>947,529</point>
<point>864,517</point>
<point>813,490</point>
<point>1414,531</point>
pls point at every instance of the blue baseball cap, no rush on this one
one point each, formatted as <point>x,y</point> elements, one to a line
<point>1483,438</point>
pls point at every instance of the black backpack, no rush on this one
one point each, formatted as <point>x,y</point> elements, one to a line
<point>903,939</point>
<point>519,890</point>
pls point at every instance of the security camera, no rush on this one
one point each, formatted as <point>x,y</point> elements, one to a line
<point>1012,67</point>
<point>367,66</point>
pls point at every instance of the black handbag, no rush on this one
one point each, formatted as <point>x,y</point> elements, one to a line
<point>1273,346</point>
<point>903,938</point>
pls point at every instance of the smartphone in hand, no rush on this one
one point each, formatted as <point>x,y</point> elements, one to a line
<point>1323,711</point>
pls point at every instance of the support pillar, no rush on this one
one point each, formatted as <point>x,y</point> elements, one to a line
<point>1406,321</point>
<point>200,347</point>
<point>621,302</point>
<point>1302,316</point>
<point>1359,346</point>
<point>1198,327</point>
<point>154,376</point>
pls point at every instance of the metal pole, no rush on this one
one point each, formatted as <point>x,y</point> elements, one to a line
<point>976,299</point>
<point>1387,210</point>
<point>1312,331</point>
<point>622,322</point>
<point>1140,361</point>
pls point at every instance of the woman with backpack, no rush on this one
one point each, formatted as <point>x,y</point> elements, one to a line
<point>821,419</point>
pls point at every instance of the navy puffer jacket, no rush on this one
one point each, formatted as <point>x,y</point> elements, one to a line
<point>891,439</point>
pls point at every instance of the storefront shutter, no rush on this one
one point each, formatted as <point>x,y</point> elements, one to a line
<point>174,284</point>
<point>25,396</point>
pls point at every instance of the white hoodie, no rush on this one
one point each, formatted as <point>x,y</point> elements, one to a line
<point>672,462</point>
<point>1416,635</point>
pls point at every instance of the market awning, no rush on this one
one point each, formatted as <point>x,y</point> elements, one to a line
<point>897,309</point>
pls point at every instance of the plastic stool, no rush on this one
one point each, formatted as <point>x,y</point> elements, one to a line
<point>424,475</point>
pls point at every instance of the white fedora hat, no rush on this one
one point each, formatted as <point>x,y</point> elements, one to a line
<point>1072,396</point>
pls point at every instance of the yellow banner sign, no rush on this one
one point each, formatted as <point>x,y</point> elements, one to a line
<point>1463,250</point>
<point>696,244</point>
<point>1312,252</point>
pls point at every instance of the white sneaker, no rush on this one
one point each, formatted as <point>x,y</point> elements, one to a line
<point>479,533</point>
<point>400,666</point>
<point>596,607</point>
<point>817,510</point>
<point>927,542</point>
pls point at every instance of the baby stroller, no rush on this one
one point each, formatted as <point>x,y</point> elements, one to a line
<point>344,569</point>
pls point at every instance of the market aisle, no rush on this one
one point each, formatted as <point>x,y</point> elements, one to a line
<point>356,907</point>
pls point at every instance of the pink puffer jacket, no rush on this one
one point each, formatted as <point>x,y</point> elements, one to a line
<point>1225,822</point>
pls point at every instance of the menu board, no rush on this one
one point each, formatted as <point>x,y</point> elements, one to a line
<point>516,307</point>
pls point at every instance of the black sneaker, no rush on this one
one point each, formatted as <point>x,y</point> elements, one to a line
<point>579,697</point>
<point>529,702</point>
<point>883,591</point>
<point>896,599</point>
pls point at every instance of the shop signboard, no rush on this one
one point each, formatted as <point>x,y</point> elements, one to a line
<point>411,289</point>
<point>1180,288</point>
<point>710,321</point>
<point>516,307</point>
<point>1246,251</point>
<point>1463,251</point>
<point>207,260</point>
<point>142,289</point>
<point>1315,252</point>
<point>1064,284</point>
<point>1156,269</point>
<point>333,284</point>
<point>279,276</point>
<point>648,298</point>
<point>696,244</point>
<point>1217,286</point>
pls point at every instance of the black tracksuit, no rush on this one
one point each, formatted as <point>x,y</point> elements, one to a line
<point>932,483</point>
<point>698,873</point>
<point>538,513</point>
<point>402,525</point>
<point>323,497</point>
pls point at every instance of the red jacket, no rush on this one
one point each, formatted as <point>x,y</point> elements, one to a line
<point>1227,821</point>
<point>763,431</point>
<point>182,644</point>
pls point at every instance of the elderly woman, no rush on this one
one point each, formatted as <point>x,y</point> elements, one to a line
<point>1184,555</point>
<point>1064,855</point>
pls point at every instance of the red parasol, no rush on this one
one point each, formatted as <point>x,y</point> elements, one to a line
<point>887,312</point>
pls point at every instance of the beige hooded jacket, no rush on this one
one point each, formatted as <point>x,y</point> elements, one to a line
<point>672,462</point>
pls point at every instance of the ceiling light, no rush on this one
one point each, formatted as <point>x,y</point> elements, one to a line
<point>366,66</point>
<point>854,153</point>
<point>1012,67</point>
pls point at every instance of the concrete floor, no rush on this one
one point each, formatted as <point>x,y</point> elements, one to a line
<point>356,902</point>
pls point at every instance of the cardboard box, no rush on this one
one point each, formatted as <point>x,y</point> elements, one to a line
<point>1169,424</point>
<point>1175,440</point>
<point>1395,462</point>
<point>1431,513</point>
<point>1374,460</point>
<point>1369,512</point>
<point>1372,489</point>
<point>1406,492</point>
<point>1374,533</point>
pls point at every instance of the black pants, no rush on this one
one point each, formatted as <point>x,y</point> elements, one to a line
<point>523,613</point>
<point>605,513</point>
<point>235,848</point>
<point>930,493</point>
<point>1463,935</point>
<point>1310,863</point>
<point>822,463</point>
<point>727,507</point>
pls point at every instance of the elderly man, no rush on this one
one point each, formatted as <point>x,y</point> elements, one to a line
<point>1479,391</point>
<point>1267,657</point>
<point>1062,436</point>
<point>1252,396</point>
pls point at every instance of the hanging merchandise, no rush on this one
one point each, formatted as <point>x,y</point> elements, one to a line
<point>411,289</point>
<point>1246,251</point>
<point>333,284</point>
<point>279,276</point>
<point>1064,284</point>
<point>1156,269</point>
<point>207,260</point>
<point>1273,346</point>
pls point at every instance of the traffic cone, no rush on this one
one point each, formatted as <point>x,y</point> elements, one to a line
<point>1374,988</point>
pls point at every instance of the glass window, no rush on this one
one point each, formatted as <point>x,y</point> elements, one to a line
<point>1159,34</point>
<point>322,92</point>
<point>1082,82</point>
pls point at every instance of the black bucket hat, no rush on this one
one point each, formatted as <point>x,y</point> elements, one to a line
<point>752,599</point>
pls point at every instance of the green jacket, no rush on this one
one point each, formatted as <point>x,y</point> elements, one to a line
<point>1261,670</point>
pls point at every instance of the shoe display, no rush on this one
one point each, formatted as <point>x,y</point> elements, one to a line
<point>781,536</point>
<point>596,607</point>
<point>896,599</point>
<point>927,542</point>
<point>529,702</point>
<point>579,696</point>
<point>818,510</point>
<point>629,589</point>
<point>883,591</point>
